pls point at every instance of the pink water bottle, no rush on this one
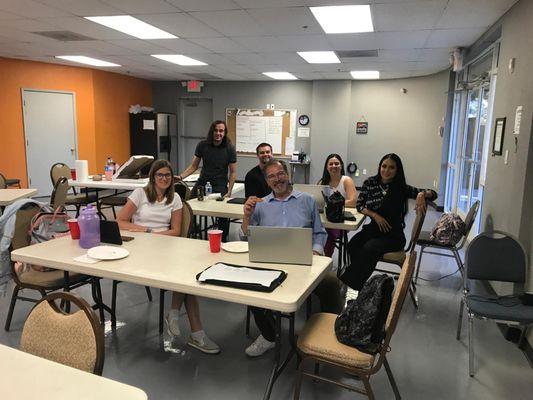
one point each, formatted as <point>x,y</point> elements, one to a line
<point>89,223</point>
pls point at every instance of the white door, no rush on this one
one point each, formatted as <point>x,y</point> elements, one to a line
<point>50,133</point>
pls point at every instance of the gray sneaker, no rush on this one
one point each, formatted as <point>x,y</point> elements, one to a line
<point>205,345</point>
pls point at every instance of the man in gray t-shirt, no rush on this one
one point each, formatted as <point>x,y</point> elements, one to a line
<point>218,156</point>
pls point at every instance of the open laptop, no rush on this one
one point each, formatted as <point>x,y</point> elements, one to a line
<point>110,233</point>
<point>280,245</point>
<point>315,191</point>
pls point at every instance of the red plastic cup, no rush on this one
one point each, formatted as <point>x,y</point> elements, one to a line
<point>73,174</point>
<point>74,228</point>
<point>215,238</point>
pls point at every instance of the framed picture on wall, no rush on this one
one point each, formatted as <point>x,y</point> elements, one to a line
<point>499,131</point>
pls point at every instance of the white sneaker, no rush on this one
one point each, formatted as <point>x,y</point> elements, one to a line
<point>350,295</point>
<point>259,347</point>
<point>172,321</point>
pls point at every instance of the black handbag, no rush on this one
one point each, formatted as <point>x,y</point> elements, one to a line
<point>334,208</point>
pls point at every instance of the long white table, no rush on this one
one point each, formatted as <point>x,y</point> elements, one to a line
<point>130,184</point>
<point>172,263</point>
<point>24,376</point>
<point>8,196</point>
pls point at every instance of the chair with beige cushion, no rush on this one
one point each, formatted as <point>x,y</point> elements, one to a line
<point>76,199</point>
<point>33,279</point>
<point>317,344</point>
<point>75,339</point>
<point>3,182</point>
<point>398,257</point>
<point>59,194</point>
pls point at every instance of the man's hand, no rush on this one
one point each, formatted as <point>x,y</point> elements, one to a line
<point>249,206</point>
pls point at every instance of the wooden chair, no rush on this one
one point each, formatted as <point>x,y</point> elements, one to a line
<point>77,200</point>
<point>76,339</point>
<point>6,182</point>
<point>186,229</point>
<point>3,182</point>
<point>32,279</point>
<point>318,344</point>
<point>398,257</point>
<point>182,190</point>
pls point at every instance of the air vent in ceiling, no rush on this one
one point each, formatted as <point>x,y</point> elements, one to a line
<point>203,77</point>
<point>64,36</point>
<point>356,53</point>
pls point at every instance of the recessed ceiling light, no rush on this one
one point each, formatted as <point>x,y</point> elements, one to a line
<point>365,74</point>
<point>178,59</point>
<point>319,57</point>
<point>344,19</point>
<point>280,75</point>
<point>88,60</point>
<point>132,26</point>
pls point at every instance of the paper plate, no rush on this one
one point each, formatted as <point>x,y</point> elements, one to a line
<point>107,252</point>
<point>235,247</point>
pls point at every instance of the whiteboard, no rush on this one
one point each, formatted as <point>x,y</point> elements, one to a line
<point>252,130</point>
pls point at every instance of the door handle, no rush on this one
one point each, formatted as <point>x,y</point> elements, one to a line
<point>72,150</point>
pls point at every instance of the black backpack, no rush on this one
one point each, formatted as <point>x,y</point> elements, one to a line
<point>362,323</point>
<point>334,208</point>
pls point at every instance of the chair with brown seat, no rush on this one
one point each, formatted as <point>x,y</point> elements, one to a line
<point>76,199</point>
<point>424,241</point>
<point>182,190</point>
<point>3,182</point>
<point>76,339</point>
<point>59,194</point>
<point>398,257</point>
<point>318,344</point>
<point>33,279</point>
<point>186,229</point>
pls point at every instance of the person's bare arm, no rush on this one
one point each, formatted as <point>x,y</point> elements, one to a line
<point>232,178</point>
<point>351,193</point>
<point>191,169</point>
<point>124,218</point>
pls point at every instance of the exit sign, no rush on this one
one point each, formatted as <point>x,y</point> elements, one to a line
<point>194,86</point>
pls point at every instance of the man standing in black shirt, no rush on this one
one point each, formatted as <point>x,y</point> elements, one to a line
<point>254,182</point>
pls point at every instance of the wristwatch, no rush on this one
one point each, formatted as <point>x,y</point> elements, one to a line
<point>148,230</point>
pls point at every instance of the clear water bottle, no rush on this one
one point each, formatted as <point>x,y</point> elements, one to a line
<point>89,223</point>
<point>208,189</point>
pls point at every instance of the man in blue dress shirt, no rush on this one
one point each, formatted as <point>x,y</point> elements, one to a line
<point>282,207</point>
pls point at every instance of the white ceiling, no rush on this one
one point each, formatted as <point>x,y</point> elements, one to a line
<point>239,39</point>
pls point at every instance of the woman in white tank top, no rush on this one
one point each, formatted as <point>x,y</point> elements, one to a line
<point>334,177</point>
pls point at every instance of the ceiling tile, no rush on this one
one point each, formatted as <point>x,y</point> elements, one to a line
<point>282,58</point>
<point>86,27</point>
<point>219,45</point>
<point>105,48</point>
<point>379,40</point>
<point>28,25</point>
<point>216,59</point>
<point>8,15</point>
<point>438,54</point>
<point>306,42</point>
<point>231,23</point>
<point>454,37</point>
<point>179,24</point>
<point>141,6</point>
<point>179,46</point>
<point>85,8</point>
<point>288,21</point>
<point>31,9</point>
<point>398,55</point>
<point>141,46</point>
<point>245,58</point>
<point>237,69</point>
<point>473,13</point>
<point>261,43</point>
<point>408,16</point>
<point>204,5</point>
<point>337,75</point>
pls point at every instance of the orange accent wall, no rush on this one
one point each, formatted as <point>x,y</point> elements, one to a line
<point>102,101</point>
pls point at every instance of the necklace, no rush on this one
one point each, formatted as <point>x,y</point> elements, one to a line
<point>384,189</point>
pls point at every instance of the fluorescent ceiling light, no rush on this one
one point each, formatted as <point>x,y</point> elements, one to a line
<point>319,57</point>
<point>365,74</point>
<point>280,75</point>
<point>344,19</point>
<point>132,26</point>
<point>178,59</point>
<point>88,60</point>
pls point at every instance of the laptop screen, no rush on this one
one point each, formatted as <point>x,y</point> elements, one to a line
<point>280,245</point>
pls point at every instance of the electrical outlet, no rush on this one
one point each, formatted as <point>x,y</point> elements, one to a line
<point>364,171</point>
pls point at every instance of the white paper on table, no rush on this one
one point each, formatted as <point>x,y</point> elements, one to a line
<point>304,132</point>
<point>86,259</point>
<point>148,125</point>
<point>289,146</point>
<point>227,273</point>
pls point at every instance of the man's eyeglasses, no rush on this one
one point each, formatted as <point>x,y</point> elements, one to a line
<point>159,175</point>
<point>279,175</point>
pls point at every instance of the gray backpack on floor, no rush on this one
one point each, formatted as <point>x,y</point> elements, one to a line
<point>362,323</point>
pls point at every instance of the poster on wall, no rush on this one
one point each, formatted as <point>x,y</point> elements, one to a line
<point>361,127</point>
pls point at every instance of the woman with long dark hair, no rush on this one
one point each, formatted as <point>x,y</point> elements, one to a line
<point>383,198</point>
<point>333,176</point>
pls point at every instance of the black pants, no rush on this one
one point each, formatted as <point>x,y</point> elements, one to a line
<point>366,248</point>
<point>328,292</point>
